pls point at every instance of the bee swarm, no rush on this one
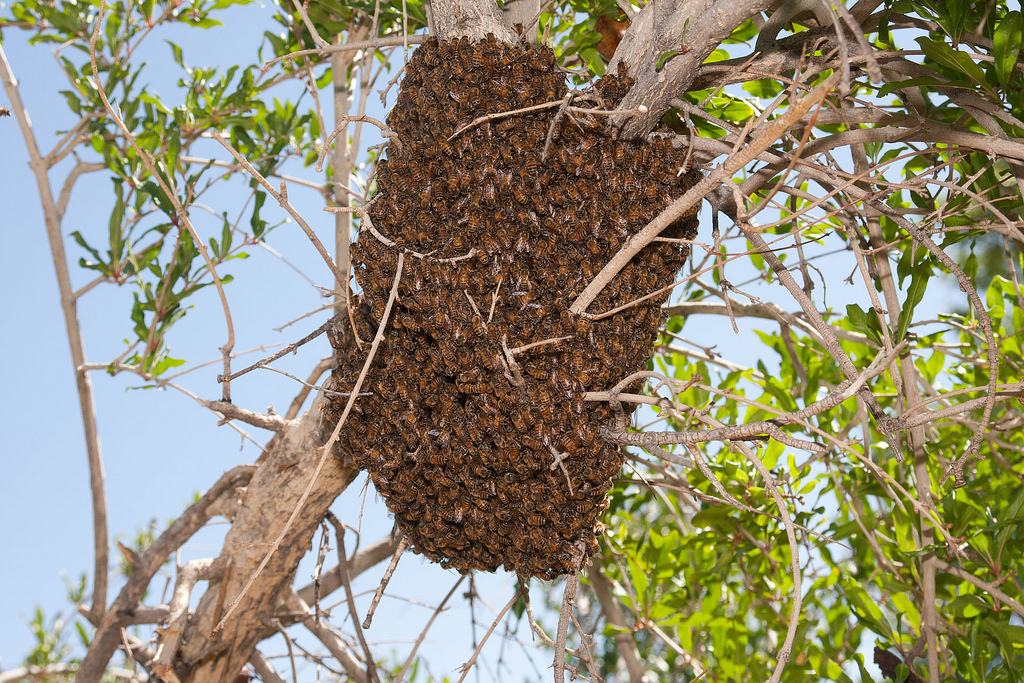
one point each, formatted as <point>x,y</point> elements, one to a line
<point>485,451</point>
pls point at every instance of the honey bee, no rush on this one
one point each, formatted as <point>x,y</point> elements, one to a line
<point>490,195</point>
<point>535,520</point>
<point>521,467</point>
<point>540,206</point>
<point>430,55</point>
<point>530,442</point>
<point>607,163</point>
<point>461,97</point>
<point>633,213</point>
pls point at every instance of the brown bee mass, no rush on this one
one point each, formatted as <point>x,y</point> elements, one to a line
<point>481,444</point>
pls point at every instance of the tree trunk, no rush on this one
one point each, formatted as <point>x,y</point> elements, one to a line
<point>471,18</point>
<point>268,503</point>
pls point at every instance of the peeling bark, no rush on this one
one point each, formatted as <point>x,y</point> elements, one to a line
<point>694,28</point>
<point>271,497</point>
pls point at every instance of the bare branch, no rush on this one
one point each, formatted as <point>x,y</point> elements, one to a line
<point>264,669</point>
<point>361,561</point>
<point>271,422</point>
<point>283,352</point>
<point>107,636</point>
<point>403,543</point>
<point>468,666</point>
<point>188,575</point>
<point>69,309</point>
<point>423,634</point>
<point>331,640</point>
<point>339,530</point>
<point>568,605</point>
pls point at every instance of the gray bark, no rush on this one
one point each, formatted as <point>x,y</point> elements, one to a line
<point>471,18</point>
<point>271,497</point>
<point>696,26</point>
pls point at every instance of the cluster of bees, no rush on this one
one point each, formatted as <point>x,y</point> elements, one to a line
<point>475,430</point>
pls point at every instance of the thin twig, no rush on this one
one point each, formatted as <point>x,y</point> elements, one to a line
<point>568,595</point>
<point>497,620</point>
<point>283,352</point>
<point>402,545</point>
<point>339,531</point>
<point>423,634</point>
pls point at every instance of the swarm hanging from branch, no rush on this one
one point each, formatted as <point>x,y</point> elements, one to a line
<point>476,433</point>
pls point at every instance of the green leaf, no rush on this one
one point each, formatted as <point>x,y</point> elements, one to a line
<point>116,226</point>
<point>918,284</point>
<point>969,606</point>
<point>867,610</point>
<point>98,263</point>
<point>663,59</point>
<point>1007,44</point>
<point>167,363</point>
<point>155,101</point>
<point>954,60</point>
<point>865,322</point>
<point>914,83</point>
<point>151,188</point>
<point>178,56</point>
<point>258,224</point>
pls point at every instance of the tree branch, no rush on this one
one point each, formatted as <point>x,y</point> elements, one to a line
<point>471,18</point>
<point>87,407</point>
<point>362,560</point>
<point>189,574</point>
<point>722,173</point>
<point>987,586</point>
<point>331,640</point>
<point>662,27</point>
<point>107,637</point>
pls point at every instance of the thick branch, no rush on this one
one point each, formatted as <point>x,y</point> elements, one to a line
<point>189,574</point>
<point>108,632</point>
<point>662,27</point>
<point>271,497</point>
